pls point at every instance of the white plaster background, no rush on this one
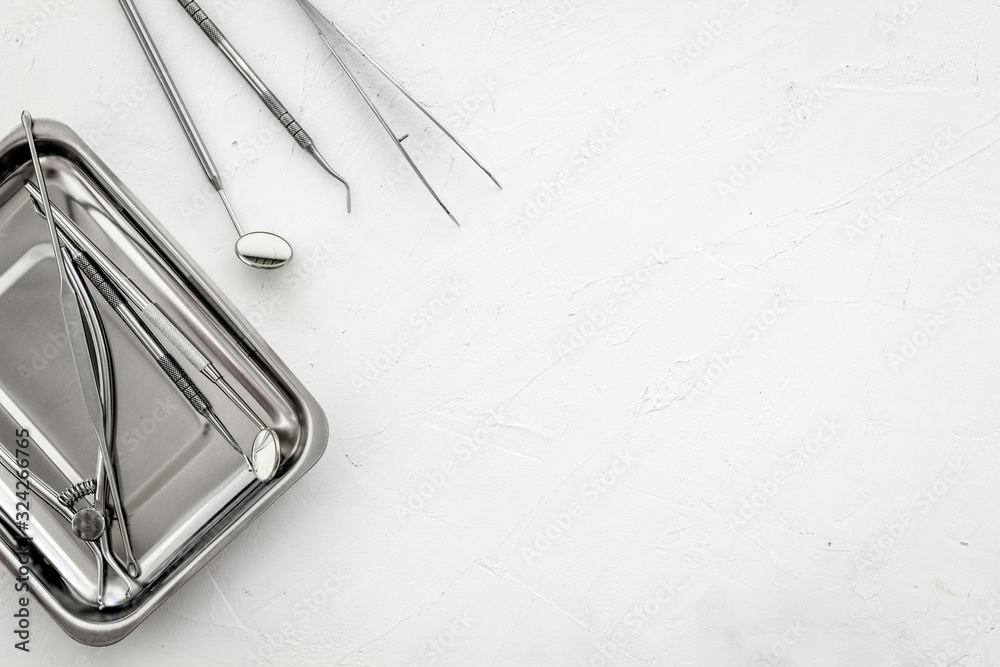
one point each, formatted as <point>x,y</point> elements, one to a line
<point>823,573</point>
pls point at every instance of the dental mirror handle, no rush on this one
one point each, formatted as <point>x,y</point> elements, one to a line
<point>190,351</point>
<point>173,95</point>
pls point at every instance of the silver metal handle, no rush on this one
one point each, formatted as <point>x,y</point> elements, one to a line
<point>201,18</point>
<point>287,121</point>
<point>263,92</point>
<point>173,95</point>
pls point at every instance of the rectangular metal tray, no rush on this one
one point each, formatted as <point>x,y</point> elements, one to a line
<point>186,493</point>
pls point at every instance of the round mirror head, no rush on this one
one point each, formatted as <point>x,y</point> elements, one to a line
<point>266,455</point>
<point>263,250</point>
<point>88,524</point>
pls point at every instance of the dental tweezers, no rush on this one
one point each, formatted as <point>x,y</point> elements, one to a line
<point>327,30</point>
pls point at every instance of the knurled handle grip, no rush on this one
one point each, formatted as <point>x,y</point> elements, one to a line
<point>205,23</point>
<point>107,290</point>
<point>273,104</point>
<point>287,121</point>
<point>184,384</point>
<point>166,362</point>
<point>181,342</point>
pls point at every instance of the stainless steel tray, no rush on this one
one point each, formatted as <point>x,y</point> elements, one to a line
<point>187,494</point>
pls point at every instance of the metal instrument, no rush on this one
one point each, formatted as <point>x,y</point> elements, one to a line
<point>186,497</point>
<point>90,523</point>
<point>163,359</point>
<point>81,353</point>
<point>261,250</point>
<point>50,498</point>
<point>151,313</point>
<point>265,94</point>
<point>327,30</point>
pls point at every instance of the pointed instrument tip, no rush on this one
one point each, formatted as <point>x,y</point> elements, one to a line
<point>453,219</point>
<point>333,172</point>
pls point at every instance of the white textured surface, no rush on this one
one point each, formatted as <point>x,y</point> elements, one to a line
<point>876,546</point>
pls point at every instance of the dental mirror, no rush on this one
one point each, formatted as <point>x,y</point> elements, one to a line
<point>263,250</point>
<point>265,455</point>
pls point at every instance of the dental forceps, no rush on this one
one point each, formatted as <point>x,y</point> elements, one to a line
<point>81,351</point>
<point>327,30</point>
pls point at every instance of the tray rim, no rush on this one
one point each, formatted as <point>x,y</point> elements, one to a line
<point>313,421</point>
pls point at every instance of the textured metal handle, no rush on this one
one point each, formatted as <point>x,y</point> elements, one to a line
<point>287,121</point>
<point>173,95</point>
<point>183,382</point>
<point>181,342</point>
<point>166,362</point>
<point>201,18</point>
<point>273,104</point>
<point>107,290</point>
